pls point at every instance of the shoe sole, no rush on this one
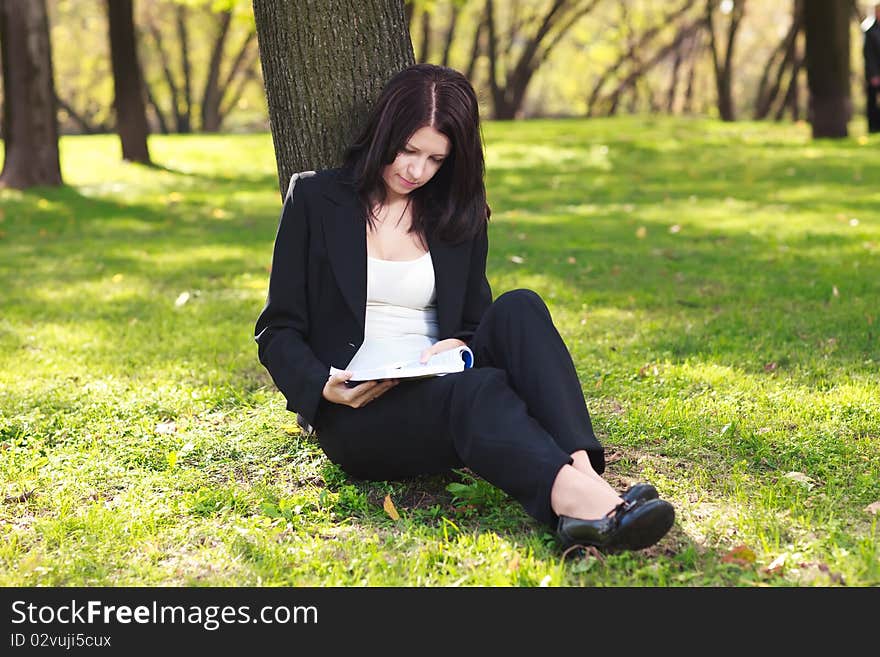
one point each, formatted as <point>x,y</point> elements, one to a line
<point>656,520</point>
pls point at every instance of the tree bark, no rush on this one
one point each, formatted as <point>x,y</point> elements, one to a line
<point>30,124</point>
<point>324,64</point>
<point>131,117</point>
<point>827,30</point>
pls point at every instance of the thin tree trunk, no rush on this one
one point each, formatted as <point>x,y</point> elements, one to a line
<point>425,49</point>
<point>450,35</point>
<point>240,73</point>
<point>475,47</point>
<point>85,126</point>
<point>185,126</point>
<point>211,97</point>
<point>724,69</point>
<point>641,44</point>
<point>787,49</point>
<point>324,65</point>
<point>827,29</point>
<point>169,75</point>
<point>131,117</point>
<point>30,124</point>
<point>791,100</point>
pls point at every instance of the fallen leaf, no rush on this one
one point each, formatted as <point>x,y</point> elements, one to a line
<point>181,299</point>
<point>513,566</point>
<point>741,555</point>
<point>799,477</point>
<point>388,505</point>
<point>571,260</point>
<point>675,228</point>
<point>873,507</point>
<point>166,427</point>
<point>775,567</point>
<point>835,291</point>
<point>517,260</point>
<point>642,232</point>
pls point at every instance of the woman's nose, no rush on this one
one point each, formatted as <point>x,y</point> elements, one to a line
<point>415,170</point>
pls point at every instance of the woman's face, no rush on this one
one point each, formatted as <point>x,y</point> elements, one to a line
<point>416,164</point>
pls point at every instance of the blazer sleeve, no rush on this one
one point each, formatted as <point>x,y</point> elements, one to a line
<point>478,296</point>
<point>282,328</point>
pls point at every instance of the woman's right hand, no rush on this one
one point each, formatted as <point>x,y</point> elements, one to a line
<point>337,392</point>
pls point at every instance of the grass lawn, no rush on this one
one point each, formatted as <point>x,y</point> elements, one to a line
<point>718,286</point>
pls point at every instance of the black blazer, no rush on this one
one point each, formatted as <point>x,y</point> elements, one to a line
<point>316,307</point>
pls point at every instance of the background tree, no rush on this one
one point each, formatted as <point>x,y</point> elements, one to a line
<point>192,45</point>
<point>721,51</point>
<point>510,75</point>
<point>827,27</point>
<point>131,118</point>
<point>30,127</point>
<point>324,63</point>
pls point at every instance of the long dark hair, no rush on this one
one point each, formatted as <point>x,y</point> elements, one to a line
<point>452,205</point>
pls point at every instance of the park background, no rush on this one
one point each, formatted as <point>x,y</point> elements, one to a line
<point>707,245</point>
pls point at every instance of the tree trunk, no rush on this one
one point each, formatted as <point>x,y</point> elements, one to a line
<point>212,95</point>
<point>827,30</point>
<point>30,125</point>
<point>240,73</point>
<point>475,47</point>
<point>131,117</point>
<point>450,35</point>
<point>722,61</point>
<point>324,64</point>
<point>425,49</point>
<point>185,124</point>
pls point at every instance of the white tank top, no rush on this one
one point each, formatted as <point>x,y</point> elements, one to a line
<point>401,318</point>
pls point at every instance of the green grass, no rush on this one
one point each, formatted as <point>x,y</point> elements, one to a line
<point>717,285</point>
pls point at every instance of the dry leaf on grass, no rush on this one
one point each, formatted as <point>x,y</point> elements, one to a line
<point>388,505</point>
<point>873,507</point>
<point>741,555</point>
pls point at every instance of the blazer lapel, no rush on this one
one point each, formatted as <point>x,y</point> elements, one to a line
<point>346,238</point>
<point>450,278</point>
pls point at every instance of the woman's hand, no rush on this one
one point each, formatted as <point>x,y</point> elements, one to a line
<point>337,392</point>
<point>437,347</point>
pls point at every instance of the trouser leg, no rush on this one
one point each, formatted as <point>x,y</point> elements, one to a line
<point>517,335</point>
<point>420,427</point>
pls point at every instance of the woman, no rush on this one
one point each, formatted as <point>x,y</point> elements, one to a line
<point>386,256</point>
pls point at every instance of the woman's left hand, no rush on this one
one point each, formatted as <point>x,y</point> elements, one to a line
<point>437,347</point>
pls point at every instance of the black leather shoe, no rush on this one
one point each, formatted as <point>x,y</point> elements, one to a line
<point>629,526</point>
<point>640,493</point>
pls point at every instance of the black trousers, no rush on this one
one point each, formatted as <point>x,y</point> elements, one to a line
<point>873,111</point>
<point>514,419</point>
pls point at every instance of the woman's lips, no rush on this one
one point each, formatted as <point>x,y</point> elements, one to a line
<point>406,182</point>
